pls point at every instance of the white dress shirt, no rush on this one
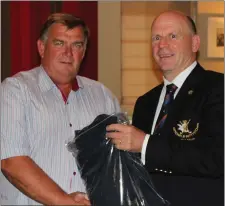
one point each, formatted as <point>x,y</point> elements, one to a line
<point>178,81</point>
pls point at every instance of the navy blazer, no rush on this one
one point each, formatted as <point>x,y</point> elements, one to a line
<point>186,159</point>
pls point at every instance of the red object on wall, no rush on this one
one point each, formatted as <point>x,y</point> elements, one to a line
<point>26,19</point>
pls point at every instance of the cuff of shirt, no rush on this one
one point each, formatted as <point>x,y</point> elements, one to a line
<point>144,146</point>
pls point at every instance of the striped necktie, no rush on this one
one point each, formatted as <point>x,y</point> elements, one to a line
<point>170,90</point>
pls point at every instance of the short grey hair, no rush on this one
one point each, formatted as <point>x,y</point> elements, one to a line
<point>65,19</point>
<point>192,25</point>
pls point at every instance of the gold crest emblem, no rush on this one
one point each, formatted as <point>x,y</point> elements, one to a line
<point>183,131</point>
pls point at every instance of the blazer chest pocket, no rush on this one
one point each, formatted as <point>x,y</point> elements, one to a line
<point>186,129</point>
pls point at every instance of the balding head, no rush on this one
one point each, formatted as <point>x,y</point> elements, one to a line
<point>179,15</point>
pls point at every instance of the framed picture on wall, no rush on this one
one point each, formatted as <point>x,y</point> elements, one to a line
<point>215,37</point>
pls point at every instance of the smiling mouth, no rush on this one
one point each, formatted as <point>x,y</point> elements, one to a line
<point>165,56</point>
<point>66,63</point>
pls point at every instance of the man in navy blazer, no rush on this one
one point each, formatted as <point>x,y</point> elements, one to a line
<point>186,156</point>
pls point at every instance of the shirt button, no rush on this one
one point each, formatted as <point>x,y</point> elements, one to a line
<point>70,125</point>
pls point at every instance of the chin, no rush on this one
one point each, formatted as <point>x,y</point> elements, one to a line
<point>164,67</point>
<point>68,66</point>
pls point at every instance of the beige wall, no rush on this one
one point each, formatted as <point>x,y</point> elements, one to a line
<point>204,10</point>
<point>109,46</point>
<point>211,7</point>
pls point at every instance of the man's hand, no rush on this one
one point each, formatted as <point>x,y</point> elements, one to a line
<point>80,198</point>
<point>126,137</point>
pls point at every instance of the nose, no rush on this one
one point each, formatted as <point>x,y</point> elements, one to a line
<point>163,42</point>
<point>68,51</point>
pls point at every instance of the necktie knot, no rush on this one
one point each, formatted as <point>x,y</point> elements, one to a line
<point>171,88</point>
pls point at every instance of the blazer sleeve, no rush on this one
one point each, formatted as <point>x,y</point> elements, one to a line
<point>136,120</point>
<point>143,114</point>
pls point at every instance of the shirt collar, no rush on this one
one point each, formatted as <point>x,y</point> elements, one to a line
<point>180,78</point>
<point>75,85</point>
<point>46,83</point>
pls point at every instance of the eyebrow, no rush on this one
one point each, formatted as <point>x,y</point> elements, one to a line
<point>174,32</point>
<point>78,42</point>
<point>58,42</point>
<point>75,42</point>
<point>54,40</point>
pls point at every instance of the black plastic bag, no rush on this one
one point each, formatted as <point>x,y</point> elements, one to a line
<point>112,177</point>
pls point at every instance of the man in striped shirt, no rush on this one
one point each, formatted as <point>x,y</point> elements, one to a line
<point>40,110</point>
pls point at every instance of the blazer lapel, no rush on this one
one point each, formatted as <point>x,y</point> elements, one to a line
<point>184,96</point>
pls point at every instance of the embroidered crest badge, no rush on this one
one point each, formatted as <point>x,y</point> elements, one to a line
<point>183,131</point>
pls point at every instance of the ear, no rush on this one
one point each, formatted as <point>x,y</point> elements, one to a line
<point>195,43</point>
<point>41,47</point>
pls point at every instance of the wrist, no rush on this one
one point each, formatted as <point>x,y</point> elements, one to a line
<point>64,199</point>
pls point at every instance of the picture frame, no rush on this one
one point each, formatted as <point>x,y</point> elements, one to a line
<point>215,37</point>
